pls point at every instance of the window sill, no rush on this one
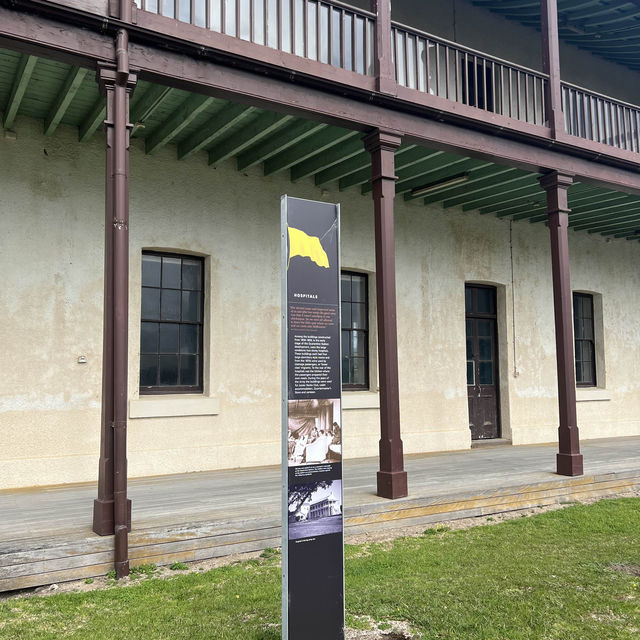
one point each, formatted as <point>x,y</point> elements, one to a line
<point>171,406</point>
<point>360,400</point>
<point>592,394</point>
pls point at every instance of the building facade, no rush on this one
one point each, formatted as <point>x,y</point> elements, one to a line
<point>461,321</point>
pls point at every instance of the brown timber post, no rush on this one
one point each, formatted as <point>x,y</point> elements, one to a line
<point>569,458</point>
<point>112,509</point>
<point>392,478</point>
<point>384,71</point>
<point>551,66</point>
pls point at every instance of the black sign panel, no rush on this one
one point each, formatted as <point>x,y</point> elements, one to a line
<point>312,525</point>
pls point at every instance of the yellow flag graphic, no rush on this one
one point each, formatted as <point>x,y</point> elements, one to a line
<point>300,244</point>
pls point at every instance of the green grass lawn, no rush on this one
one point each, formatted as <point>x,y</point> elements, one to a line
<point>570,574</point>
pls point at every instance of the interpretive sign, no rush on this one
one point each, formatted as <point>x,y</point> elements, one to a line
<point>312,530</point>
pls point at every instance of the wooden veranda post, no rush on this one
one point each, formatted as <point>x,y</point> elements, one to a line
<point>551,66</point>
<point>556,185</point>
<point>392,478</point>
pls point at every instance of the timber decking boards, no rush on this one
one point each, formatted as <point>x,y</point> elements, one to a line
<point>45,534</point>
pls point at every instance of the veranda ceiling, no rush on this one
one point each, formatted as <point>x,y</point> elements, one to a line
<point>607,28</point>
<point>60,94</point>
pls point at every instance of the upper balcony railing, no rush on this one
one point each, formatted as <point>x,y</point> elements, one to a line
<point>329,32</point>
<point>599,118</point>
<point>334,33</point>
<point>454,72</point>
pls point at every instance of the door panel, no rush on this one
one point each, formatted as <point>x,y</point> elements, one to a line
<point>482,367</point>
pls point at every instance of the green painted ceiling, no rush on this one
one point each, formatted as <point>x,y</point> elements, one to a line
<point>58,94</point>
<point>607,28</point>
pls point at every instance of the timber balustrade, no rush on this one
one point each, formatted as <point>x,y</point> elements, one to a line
<point>454,72</point>
<point>599,118</point>
<point>337,34</point>
<point>329,32</point>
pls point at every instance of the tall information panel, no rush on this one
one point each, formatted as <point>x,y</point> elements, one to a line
<point>312,525</point>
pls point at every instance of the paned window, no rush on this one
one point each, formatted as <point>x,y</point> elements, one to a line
<point>355,331</point>
<point>583,330</point>
<point>171,327</point>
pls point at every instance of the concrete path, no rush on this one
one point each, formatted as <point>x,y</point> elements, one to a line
<point>239,494</point>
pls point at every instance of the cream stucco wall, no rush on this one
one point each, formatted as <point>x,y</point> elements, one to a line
<point>51,258</point>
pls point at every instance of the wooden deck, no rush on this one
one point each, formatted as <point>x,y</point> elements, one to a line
<point>45,534</point>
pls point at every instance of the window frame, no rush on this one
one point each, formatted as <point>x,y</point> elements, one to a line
<point>348,386</point>
<point>150,390</point>
<point>582,318</point>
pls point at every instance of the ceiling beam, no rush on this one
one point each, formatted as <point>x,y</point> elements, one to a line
<point>358,178</point>
<point>307,149</point>
<point>20,82</point>
<point>181,118</point>
<point>275,144</point>
<point>93,120</point>
<point>505,197</point>
<point>328,158</point>
<point>405,157</point>
<point>412,161</point>
<point>352,106</point>
<point>486,194</point>
<point>217,127</point>
<point>260,128</point>
<point>432,173</point>
<point>480,177</point>
<point>603,221</point>
<point>345,168</point>
<point>315,104</point>
<point>626,228</point>
<point>147,104</point>
<point>519,210</point>
<point>65,96</point>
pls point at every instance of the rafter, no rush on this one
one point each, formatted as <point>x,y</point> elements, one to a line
<point>218,126</point>
<point>20,83</point>
<point>328,158</point>
<point>257,130</point>
<point>415,162</point>
<point>487,193</point>
<point>480,177</point>
<point>434,175</point>
<point>308,148</point>
<point>506,196</point>
<point>65,96</point>
<point>181,118</point>
<point>337,171</point>
<point>93,120</point>
<point>146,105</point>
<point>277,143</point>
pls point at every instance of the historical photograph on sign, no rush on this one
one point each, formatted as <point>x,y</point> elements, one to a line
<point>315,435</point>
<point>315,509</point>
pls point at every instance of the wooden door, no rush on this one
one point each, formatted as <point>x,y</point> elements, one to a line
<point>482,362</point>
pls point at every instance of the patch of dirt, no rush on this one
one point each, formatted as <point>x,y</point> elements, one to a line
<point>633,569</point>
<point>389,630</point>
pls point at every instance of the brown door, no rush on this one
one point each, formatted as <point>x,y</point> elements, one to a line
<point>482,362</point>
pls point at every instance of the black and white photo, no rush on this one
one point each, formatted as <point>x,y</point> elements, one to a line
<point>314,432</point>
<point>315,509</point>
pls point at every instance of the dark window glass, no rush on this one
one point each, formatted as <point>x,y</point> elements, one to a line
<point>355,334</point>
<point>583,331</point>
<point>171,345</point>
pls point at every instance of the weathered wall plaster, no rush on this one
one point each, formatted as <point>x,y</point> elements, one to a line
<point>51,258</point>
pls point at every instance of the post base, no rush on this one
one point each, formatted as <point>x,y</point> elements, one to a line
<point>392,484</point>
<point>569,464</point>
<point>122,569</point>
<point>103,523</point>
